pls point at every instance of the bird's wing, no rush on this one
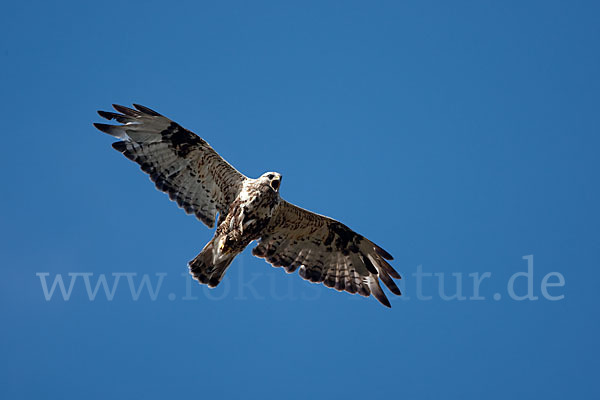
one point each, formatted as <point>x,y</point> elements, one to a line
<point>179,162</point>
<point>327,251</point>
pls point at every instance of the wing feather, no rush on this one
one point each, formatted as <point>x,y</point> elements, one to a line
<point>179,162</point>
<point>324,250</point>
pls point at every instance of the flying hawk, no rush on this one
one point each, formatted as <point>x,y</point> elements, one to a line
<point>183,165</point>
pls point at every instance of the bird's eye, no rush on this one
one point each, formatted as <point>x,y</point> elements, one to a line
<point>270,176</point>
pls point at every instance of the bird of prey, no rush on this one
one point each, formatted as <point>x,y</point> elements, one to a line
<point>183,165</point>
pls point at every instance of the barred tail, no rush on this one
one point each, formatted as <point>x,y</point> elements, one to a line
<point>209,266</point>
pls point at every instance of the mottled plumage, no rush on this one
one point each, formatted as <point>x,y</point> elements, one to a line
<point>201,182</point>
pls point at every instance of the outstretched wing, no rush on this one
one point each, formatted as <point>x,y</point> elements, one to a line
<point>327,251</point>
<point>179,162</point>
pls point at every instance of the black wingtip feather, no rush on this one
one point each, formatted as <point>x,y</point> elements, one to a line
<point>106,128</point>
<point>105,114</point>
<point>126,110</point>
<point>120,146</point>
<point>385,278</point>
<point>146,110</point>
<point>383,253</point>
<point>390,270</point>
<point>383,300</point>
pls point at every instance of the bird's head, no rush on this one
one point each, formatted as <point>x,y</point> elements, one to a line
<point>273,179</point>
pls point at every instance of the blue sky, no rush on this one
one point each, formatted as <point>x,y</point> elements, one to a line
<point>460,136</point>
